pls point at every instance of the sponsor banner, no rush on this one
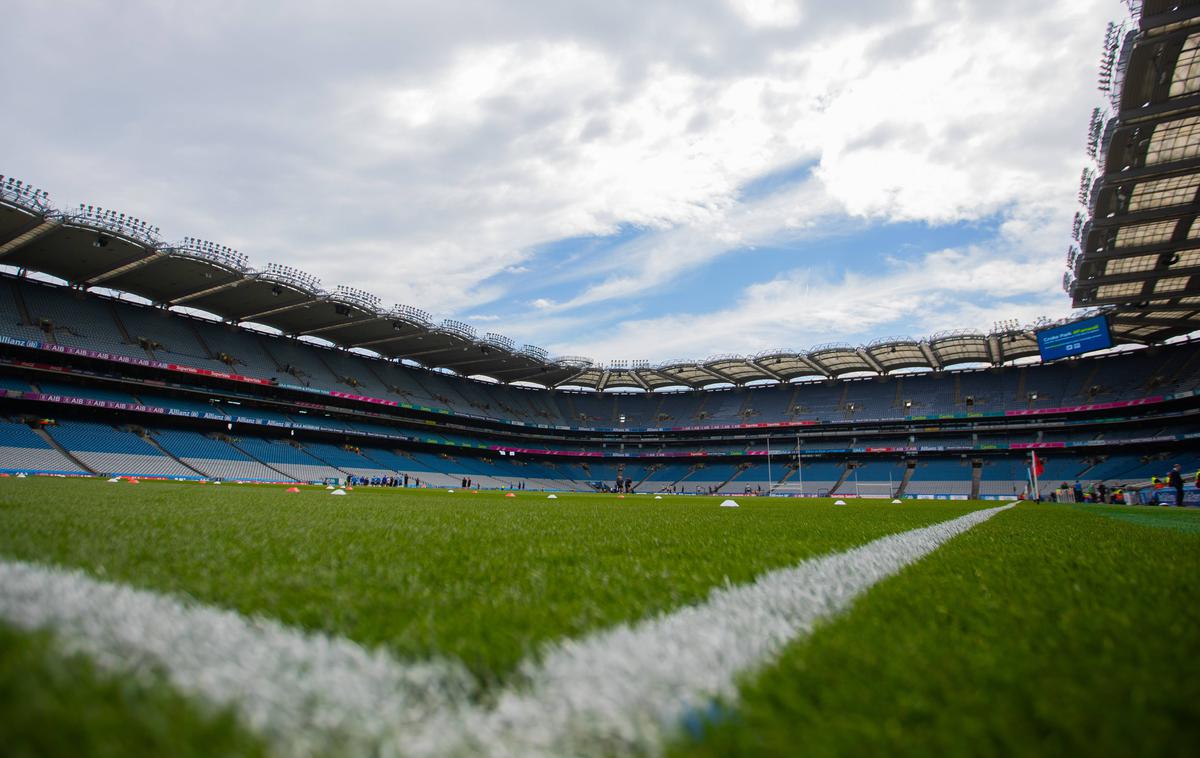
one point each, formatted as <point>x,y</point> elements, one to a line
<point>573,453</point>
<point>113,405</point>
<point>935,497</point>
<point>362,398</point>
<point>1091,407</point>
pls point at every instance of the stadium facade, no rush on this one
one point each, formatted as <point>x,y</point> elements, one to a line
<point>95,383</point>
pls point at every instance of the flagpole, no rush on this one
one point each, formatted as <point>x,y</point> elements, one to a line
<point>1037,495</point>
<point>770,481</point>
<point>799,466</point>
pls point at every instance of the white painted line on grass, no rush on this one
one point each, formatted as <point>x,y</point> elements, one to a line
<point>621,690</point>
<point>626,689</point>
<point>305,693</point>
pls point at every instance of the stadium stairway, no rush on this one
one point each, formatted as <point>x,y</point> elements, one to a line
<point>286,477</point>
<point>288,458</point>
<point>19,301</point>
<point>650,471</point>
<point>62,450</point>
<point>908,472</point>
<point>842,479</point>
<point>690,472</point>
<point>149,440</point>
<point>204,346</point>
<point>791,471</point>
<point>741,469</point>
<point>21,450</point>
<point>976,478</point>
<point>120,328</point>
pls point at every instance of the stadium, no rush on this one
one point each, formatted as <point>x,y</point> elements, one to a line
<point>942,543</point>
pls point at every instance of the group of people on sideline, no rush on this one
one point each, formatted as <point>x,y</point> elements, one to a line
<point>1165,490</point>
<point>1174,482</point>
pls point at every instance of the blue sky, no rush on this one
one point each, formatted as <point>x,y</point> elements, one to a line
<point>614,179</point>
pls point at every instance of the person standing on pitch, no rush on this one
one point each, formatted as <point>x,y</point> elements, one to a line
<point>1175,481</point>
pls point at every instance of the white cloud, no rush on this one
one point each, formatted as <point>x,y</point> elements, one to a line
<point>425,154</point>
<point>768,13</point>
<point>947,289</point>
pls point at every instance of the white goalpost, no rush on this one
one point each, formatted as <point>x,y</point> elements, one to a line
<point>869,490</point>
<point>795,487</point>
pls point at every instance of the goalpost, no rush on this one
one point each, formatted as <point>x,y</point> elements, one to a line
<point>794,488</point>
<point>859,489</point>
<point>879,490</point>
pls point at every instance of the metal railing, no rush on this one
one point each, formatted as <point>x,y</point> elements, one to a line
<point>355,296</point>
<point>222,255</point>
<point>500,341</point>
<point>574,361</point>
<point>23,194</point>
<point>410,315</point>
<point>293,277</point>
<point>120,224</point>
<point>450,326</point>
<point>535,352</point>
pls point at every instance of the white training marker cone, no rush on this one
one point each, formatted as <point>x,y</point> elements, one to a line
<point>114,480</point>
<point>896,501</point>
<point>839,502</point>
<point>729,504</point>
<point>21,475</point>
<point>329,486</point>
<point>450,491</point>
<point>338,491</point>
<point>552,497</point>
<point>658,497</point>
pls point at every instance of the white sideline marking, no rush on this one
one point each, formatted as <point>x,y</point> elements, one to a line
<point>620,690</point>
<point>305,693</point>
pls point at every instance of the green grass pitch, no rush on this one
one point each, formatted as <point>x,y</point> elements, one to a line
<point>1048,629</point>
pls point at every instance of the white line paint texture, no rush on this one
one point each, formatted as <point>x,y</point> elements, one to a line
<point>623,690</point>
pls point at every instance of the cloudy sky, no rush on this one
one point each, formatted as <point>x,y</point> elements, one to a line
<point>614,179</point>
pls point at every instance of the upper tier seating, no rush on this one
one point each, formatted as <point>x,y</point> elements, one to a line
<point>33,310</point>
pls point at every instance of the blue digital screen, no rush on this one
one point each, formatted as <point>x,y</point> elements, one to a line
<point>1075,338</point>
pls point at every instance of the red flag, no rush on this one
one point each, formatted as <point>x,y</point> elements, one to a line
<point>1038,464</point>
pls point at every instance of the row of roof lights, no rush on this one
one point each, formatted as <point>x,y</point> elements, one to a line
<point>215,251</point>
<point>111,218</point>
<point>16,188</point>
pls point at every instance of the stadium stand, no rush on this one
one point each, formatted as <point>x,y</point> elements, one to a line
<point>214,458</point>
<point>114,452</point>
<point>298,411</point>
<point>252,396</point>
<point>23,450</point>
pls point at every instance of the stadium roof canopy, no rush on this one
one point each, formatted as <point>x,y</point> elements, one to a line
<point>91,247</point>
<point>1139,250</point>
<point>1138,261</point>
